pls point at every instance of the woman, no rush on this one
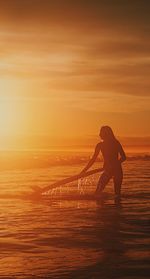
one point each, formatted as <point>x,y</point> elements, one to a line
<point>113,155</point>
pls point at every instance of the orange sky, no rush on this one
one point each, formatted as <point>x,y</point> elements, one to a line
<point>68,67</point>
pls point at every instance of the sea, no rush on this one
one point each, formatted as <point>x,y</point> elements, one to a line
<point>63,234</point>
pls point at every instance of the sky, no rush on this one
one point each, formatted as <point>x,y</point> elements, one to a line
<point>69,67</point>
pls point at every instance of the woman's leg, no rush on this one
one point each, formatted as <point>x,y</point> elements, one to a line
<point>118,177</point>
<point>104,179</point>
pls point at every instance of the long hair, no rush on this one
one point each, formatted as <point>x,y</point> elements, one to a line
<point>107,134</point>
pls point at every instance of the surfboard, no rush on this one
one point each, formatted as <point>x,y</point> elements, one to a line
<point>59,183</point>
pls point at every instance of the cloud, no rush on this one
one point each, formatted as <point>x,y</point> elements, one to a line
<point>79,12</point>
<point>78,46</point>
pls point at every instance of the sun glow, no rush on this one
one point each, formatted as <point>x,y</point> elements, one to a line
<point>11,114</point>
<point>9,119</point>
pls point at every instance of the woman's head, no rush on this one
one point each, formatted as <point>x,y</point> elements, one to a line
<point>106,133</point>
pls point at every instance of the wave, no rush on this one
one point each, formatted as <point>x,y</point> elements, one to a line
<point>145,157</point>
<point>53,161</point>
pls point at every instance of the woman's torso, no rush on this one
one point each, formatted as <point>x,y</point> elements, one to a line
<point>110,152</point>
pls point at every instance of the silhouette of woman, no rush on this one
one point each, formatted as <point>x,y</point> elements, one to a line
<point>113,155</point>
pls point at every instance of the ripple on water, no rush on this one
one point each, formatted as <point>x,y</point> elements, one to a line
<point>108,238</point>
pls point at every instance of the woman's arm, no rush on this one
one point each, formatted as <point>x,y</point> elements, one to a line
<point>122,154</point>
<point>93,159</point>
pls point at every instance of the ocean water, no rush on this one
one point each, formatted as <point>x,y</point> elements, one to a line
<point>58,237</point>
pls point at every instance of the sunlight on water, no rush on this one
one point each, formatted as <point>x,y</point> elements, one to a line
<point>57,237</point>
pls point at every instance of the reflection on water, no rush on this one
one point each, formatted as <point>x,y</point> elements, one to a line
<point>58,238</point>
